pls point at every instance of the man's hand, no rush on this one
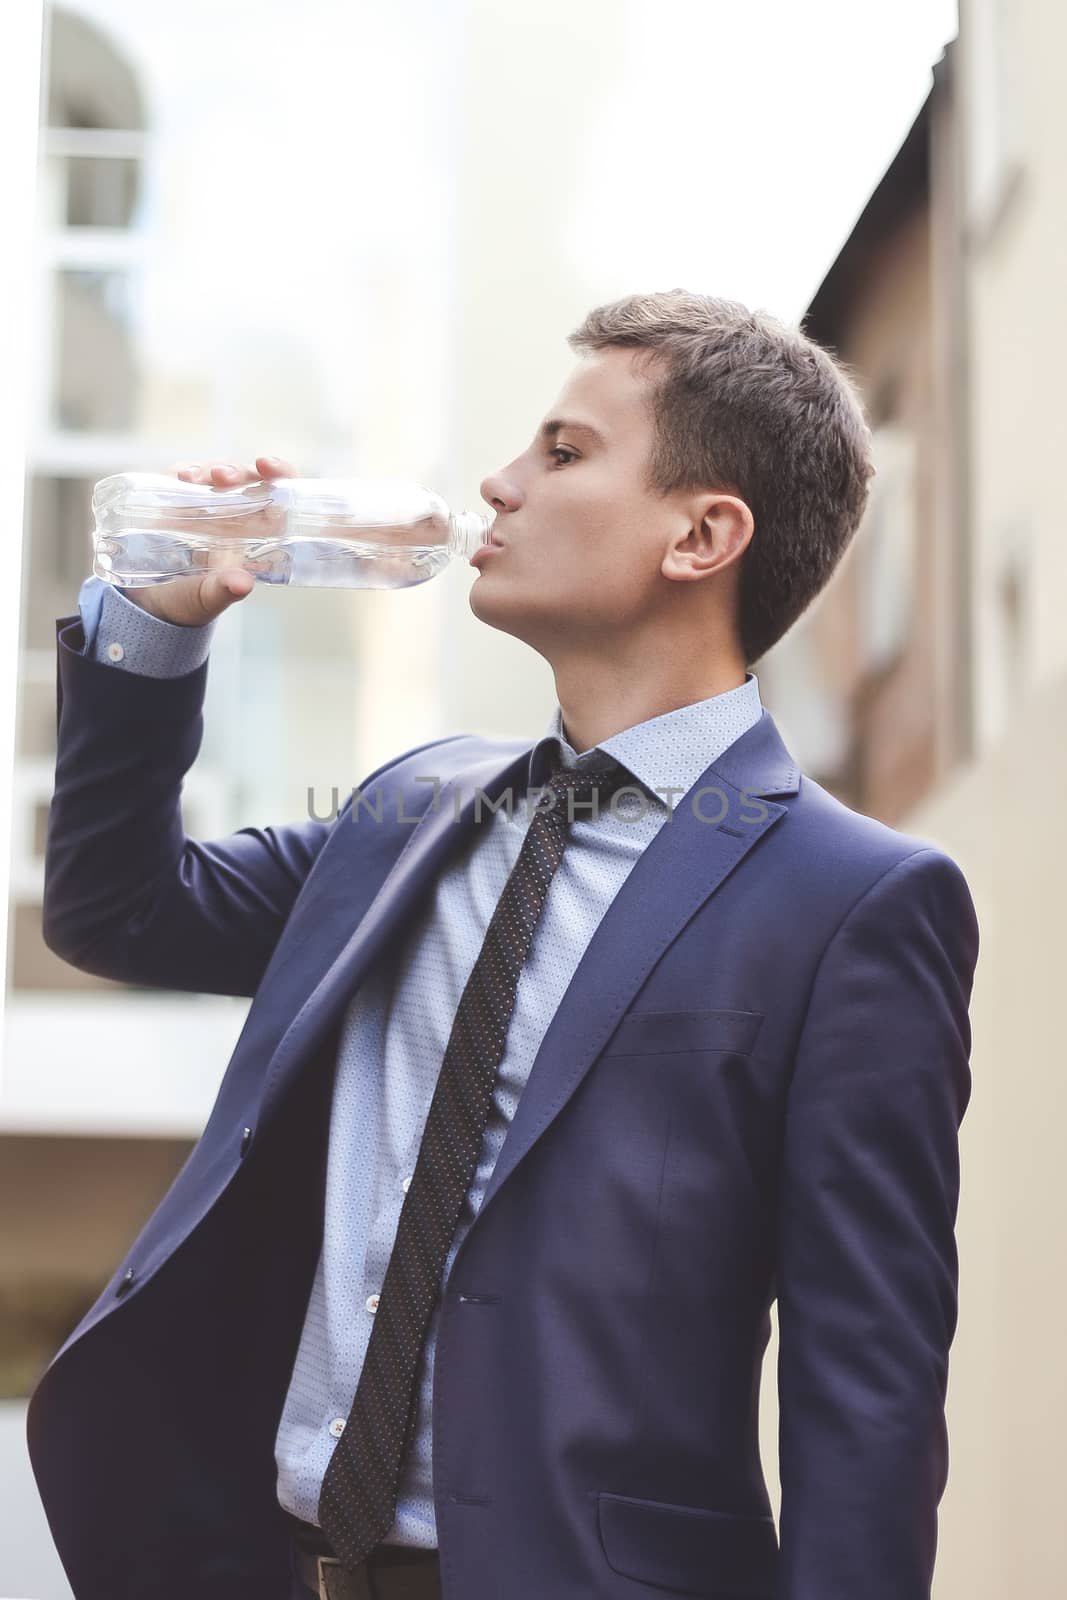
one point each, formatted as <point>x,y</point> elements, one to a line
<point>190,602</point>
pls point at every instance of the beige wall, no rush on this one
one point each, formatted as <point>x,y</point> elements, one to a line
<point>1018,266</point>
<point>1003,1530</point>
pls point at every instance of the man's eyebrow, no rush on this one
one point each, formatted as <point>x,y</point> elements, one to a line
<point>556,425</point>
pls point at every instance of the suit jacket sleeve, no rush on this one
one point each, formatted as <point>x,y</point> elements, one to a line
<point>127,895</point>
<point>867,1269</point>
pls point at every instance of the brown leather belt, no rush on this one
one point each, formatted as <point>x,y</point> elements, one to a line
<point>390,1571</point>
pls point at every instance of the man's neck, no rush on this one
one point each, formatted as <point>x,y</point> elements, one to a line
<point>598,699</point>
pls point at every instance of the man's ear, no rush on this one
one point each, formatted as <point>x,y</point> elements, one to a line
<point>721,526</point>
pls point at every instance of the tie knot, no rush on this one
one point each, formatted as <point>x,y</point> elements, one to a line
<point>602,775</point>
<point>589,786</point>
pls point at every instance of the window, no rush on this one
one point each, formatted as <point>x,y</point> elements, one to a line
<point>94,377</point>
<point>57,555</point>
<point>87,190</point>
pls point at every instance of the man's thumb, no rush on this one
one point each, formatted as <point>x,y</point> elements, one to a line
<point>221,589</point>
<point>237,583</point>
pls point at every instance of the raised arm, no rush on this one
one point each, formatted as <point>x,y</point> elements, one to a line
<point>127,894</point>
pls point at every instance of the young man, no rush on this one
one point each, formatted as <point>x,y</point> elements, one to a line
<point>545,1097</point>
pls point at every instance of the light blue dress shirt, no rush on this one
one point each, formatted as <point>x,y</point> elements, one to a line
<point>397,1026</point>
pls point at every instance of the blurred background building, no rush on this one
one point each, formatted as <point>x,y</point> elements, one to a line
<point>256,244</point>
<point>928,686</point>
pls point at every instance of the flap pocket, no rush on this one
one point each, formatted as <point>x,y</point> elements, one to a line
<point>659,1032</point>
<point>711,1553</point>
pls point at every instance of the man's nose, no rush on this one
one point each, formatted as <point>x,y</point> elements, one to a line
<point>500,492</point>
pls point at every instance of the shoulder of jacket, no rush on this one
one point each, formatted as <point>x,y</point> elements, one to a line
<point>864,846</point>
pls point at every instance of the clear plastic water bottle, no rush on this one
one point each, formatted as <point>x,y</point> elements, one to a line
<point>332,533</point>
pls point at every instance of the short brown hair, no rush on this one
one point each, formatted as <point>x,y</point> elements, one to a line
<point>752,407</point>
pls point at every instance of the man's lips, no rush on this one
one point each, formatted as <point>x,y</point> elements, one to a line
<point>494,542</point>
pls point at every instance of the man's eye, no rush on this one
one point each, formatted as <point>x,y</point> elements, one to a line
<point>562,450</point>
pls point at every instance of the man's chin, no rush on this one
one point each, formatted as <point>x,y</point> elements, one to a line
<point>491,608</point>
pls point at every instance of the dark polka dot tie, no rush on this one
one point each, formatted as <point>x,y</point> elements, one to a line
<point>357,1502</point>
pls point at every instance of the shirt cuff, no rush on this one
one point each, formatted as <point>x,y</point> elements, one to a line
<point>121,633</point>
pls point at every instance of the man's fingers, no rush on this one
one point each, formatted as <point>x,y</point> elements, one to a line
<point>229,474</point>
<point>226,475</point>
<point>220,474</point>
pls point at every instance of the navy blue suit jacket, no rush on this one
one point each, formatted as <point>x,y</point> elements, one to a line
<point>752,1089</point>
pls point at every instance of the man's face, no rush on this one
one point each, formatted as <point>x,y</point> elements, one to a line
<point>582,538</point>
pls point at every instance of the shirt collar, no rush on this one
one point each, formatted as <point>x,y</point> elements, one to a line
<point>666,754</point>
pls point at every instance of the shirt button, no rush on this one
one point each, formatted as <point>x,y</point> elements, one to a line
<point>372,1302</point>
<point>337,1427</point>
<point>115,652</point>
<point>406,1183</point>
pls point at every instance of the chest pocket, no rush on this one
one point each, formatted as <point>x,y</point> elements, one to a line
<point>667,1032</point>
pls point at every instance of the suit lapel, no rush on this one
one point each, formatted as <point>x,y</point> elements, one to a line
<point>444,828</point>
<point>683,865</point>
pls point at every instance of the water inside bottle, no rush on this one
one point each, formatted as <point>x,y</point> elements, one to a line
<point>137,557</point>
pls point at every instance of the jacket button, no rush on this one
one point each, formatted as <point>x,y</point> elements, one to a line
<point>127,1279</point>
<point>246,1140</point>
